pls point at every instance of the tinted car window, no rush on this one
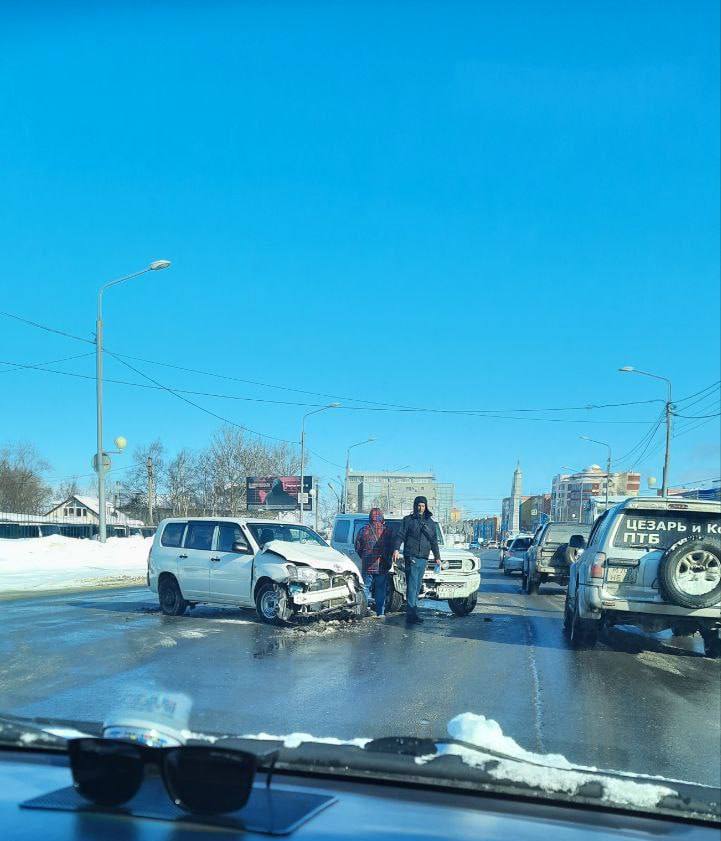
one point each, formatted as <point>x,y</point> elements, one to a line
<point>661,529</point>
<point>521,543</point>
<point>340,532</point>
<point>172,534</point>
<point>228,534</point>
<point>199,536</point>
<point>556,535</point>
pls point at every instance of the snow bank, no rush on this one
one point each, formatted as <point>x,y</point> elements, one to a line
<point>548,772</point>
<point>295,740</point>
<point>59,563</point>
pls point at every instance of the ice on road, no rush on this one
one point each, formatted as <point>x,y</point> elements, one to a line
<point>59,563</point>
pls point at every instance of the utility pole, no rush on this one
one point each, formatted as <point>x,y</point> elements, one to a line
<point>151,488</point>
<point>317,506</point>
<point>629,369</point>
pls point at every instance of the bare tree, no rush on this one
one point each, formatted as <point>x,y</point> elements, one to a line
<point>180,480</point>
<point>135,484</point>
<point>22,489</point>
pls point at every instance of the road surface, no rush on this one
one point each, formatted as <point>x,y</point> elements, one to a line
<point>635,704</point>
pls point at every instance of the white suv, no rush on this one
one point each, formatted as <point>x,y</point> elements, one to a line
<point>281,569</point>
<point>456,579</point>
<point>654,563</point>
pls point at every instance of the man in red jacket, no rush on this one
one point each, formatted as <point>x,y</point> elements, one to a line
<point>373,545</point>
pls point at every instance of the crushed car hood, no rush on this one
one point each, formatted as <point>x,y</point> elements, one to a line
<point>312,554</point>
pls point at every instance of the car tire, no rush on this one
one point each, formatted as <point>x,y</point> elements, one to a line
<point>712,643</point>
<point>582,633</point>
<point>394,601</point>
<point>532,584</point>
<point>360,609</point>
<point>462,607</point>
<point>566,616</point>
<point>682,563</point>
<point>170,598</point>
<point>271,604</point>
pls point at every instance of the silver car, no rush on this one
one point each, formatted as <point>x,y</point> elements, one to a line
<point>516,554</point>
<point>654,563</point>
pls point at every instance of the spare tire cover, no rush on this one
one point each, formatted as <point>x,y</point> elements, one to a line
<point>689,573</point>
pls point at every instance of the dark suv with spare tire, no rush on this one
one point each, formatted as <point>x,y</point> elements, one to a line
<point>653,563</point>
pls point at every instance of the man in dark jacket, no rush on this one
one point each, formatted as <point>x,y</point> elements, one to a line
<point>419,537</point>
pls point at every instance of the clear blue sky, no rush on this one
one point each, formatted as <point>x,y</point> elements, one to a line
<point>458,205</point>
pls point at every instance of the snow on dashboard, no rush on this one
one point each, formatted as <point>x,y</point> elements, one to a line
<point>58,563</point>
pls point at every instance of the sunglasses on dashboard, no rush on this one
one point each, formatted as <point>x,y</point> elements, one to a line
<point>199,779</point>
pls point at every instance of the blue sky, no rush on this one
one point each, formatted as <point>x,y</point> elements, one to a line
<point>447,205</point>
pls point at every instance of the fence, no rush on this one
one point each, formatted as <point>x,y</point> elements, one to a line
<point>15,526</point>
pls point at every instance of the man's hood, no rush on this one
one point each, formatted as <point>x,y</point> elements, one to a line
<point>312,554</point>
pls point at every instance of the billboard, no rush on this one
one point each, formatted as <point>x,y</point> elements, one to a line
<point>278,493</point>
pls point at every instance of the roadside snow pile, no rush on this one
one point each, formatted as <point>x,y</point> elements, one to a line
<point>60,563</point>
<point>547,772</point>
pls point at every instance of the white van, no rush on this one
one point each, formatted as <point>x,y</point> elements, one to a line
<point>456,580</point>
<point>281,569</point>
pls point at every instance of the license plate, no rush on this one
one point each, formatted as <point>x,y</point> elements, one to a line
<point>621,575</point>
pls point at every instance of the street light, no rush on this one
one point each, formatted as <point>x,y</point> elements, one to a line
<point>629,369</point>
<point>301,497</point>
<point>155,266</point>
<point>347,470</point>
<point>608,461</point>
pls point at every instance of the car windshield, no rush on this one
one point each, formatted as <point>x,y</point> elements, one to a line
<point>265,532</point>
<point>259,260</point>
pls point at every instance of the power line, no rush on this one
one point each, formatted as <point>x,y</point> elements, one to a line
<point>221,396</point>
<point>198,406</point>
<point>696,417</point>
<point>49,362</point>
<point>712,387</point>
<point>381,406</point>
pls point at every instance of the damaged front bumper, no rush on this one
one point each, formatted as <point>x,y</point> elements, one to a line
<point>315,599</point>
<point>449,586</point>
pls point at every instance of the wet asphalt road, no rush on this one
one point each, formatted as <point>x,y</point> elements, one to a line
<point>633,703</point>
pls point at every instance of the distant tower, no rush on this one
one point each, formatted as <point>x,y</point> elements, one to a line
<point>515,518</point>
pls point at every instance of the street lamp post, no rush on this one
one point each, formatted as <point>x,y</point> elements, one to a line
<point>629,369</point>
<point>155,266</point>
<point>608,461</point>
<point>301,498</point>
<point>347,470</point>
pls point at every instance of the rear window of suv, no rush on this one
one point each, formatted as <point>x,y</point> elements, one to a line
<point>556,535</point>
<point>661,529</point>
<point>172,534</point>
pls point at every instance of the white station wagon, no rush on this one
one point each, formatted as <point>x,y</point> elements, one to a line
<point>282,569</point>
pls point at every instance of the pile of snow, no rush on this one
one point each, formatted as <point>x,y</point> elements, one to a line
<point>59,563</point>
<point>549,772</point>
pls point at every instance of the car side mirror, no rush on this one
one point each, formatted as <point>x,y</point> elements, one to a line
<point>577,541</point>
<point>242,548</point>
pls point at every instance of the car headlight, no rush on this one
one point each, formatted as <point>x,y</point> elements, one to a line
<point>307,575</point>
<point>469,564</point>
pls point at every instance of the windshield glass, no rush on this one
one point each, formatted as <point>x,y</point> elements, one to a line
<point>265,532</point>
<point>259,263</point>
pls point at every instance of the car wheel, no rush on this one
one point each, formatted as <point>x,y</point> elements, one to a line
<point>689,573</point>
<point>524,582</point>
<point>360,609</point>
<point>532,584</point>
<point>394,602</point>
<point>583,633</point>
<point>171,599</point>
<point>567,616</point>
<point>712,643</point>
<point>462,607</point>
<point>271,604</point>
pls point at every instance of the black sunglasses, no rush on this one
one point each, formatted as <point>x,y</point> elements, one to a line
<point>199,779</point>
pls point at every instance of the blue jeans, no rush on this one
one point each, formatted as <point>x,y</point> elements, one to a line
<point>375,586</point>
<point>415,567</point>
